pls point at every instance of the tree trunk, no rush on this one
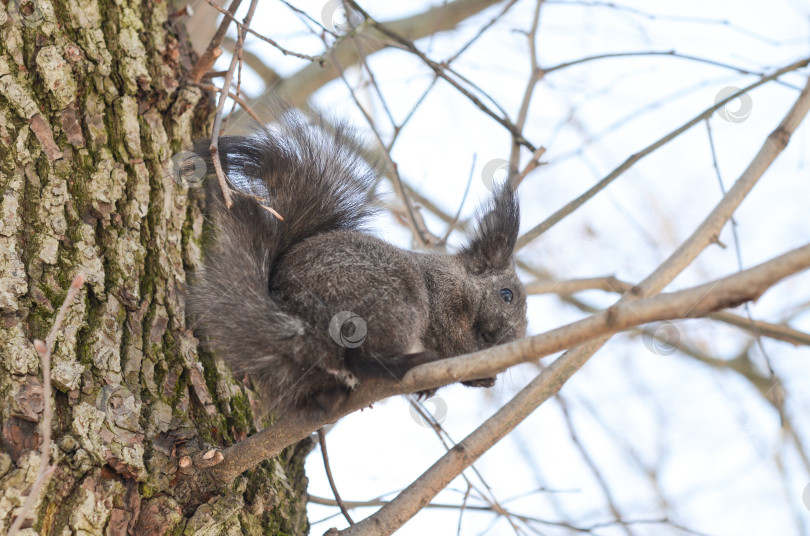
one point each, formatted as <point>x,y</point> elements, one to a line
<point>92,107</point>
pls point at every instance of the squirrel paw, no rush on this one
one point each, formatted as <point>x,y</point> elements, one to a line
<point>346,377</point>
<point>483,382</point>
<point>424,395</point>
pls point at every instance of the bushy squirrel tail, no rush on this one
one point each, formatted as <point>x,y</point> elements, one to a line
<point>312,174</point>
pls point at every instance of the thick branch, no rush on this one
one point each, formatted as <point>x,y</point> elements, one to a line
<point>694,302</point>
<point>611,284</point>
<point>551,379</point>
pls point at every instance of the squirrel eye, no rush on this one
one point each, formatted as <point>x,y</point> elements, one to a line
<point>506,295</point>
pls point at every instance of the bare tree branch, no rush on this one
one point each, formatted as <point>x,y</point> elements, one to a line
<point>594,468</point>
<point>223,96</point>
<point>612,284</point>
<point>534,77</point>
<point>213,50</point>
<point>693,302</point>
<point>328,469</point>
<point>627,164</point>
<point>441,71</point>
<point>297,88</point>
<point>551,379</point>
<point>245,27</point>
<point>418,228</point>
<point>236,98</point>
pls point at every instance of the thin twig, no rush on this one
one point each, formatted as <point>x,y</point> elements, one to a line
<point>372,80</point>
<point>738,250</point>
<point>669,53</point>
<point>448,442</point>
<point>534,78</point>
<point>443,506</point>
<point>463,507</point>
<point>244,28</point>
<point>44,349</point>
<point>223,96</point>
<point>440,71</point>
<point>305,16</point>
<point>768,329</point>
<point>398,128</point>
<point>453,222</point>
<point>213,50</point>
<point>237,98</point>
<point>238,90</point>
<point>531,165</point>
<point>633,159</point>
<point>481,31</point>
<point>589,461</point>
<point>328,469</point>
<point>420,231</point>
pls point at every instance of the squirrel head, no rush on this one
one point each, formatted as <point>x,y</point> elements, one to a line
<point>498,295</point>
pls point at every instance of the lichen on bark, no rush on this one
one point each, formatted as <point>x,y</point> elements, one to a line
<point>92,106</point>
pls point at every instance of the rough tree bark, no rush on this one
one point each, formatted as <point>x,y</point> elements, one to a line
<point>92,106</point>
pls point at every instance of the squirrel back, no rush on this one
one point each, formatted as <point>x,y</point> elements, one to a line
<point>309,306</point>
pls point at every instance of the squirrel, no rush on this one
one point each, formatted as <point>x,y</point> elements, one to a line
<point>310,306</point>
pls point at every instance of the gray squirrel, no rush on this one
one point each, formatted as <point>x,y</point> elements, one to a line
<point>310,306</point>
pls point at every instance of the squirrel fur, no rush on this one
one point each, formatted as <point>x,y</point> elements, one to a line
<point>310,306</point>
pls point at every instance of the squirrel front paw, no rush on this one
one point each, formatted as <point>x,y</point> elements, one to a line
<point>483,382</point>
<point>346,377</point>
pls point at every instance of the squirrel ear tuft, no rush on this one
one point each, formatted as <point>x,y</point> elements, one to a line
<point>494,242</point>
